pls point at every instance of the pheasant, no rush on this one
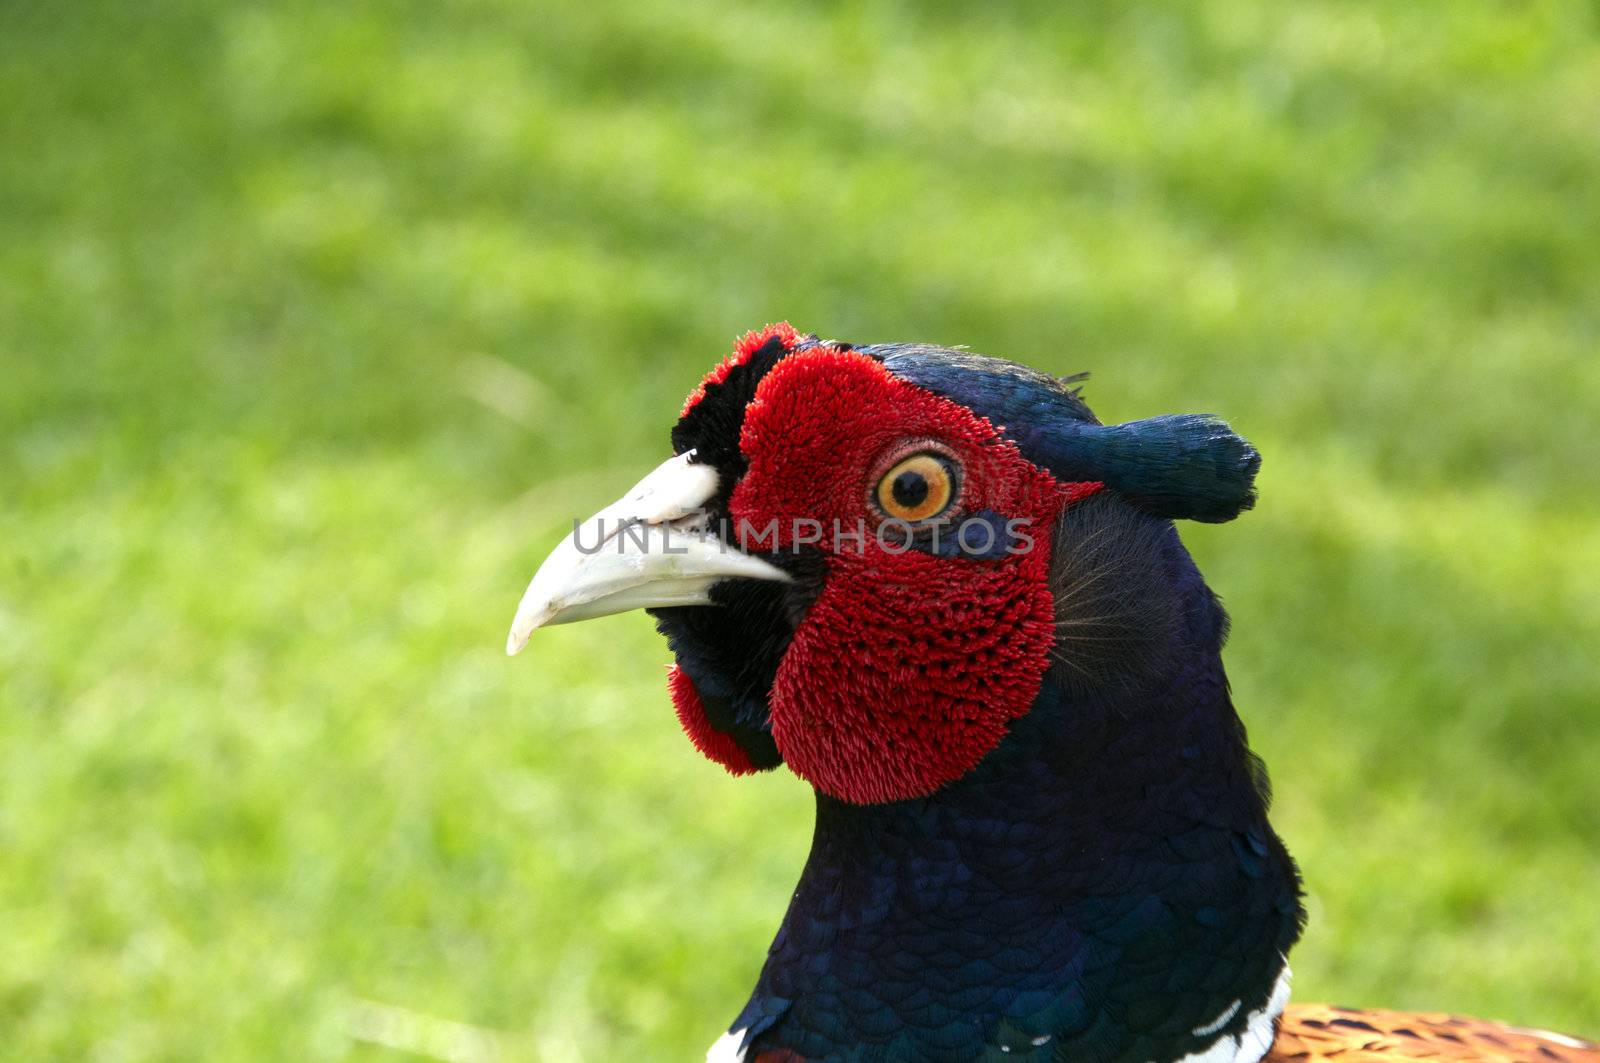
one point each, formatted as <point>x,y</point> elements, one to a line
<point>944,594</point>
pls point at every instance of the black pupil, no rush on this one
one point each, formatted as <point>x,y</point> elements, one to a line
<point>910,489</point>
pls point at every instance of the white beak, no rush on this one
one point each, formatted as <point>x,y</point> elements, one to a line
<point>651,547</point>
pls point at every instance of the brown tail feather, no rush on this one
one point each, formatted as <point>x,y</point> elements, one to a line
<point>1310,1033</point>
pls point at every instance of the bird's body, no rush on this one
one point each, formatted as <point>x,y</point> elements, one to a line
<point>943,593</point>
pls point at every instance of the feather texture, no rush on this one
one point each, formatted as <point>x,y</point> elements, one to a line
<point>1311,1033</point>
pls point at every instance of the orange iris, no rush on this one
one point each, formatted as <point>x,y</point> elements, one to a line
<point>917,488</point>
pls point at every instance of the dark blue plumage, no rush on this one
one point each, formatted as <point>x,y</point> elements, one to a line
<point>1102,884</point>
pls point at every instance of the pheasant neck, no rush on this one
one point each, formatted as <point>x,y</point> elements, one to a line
<point>1106,880</point>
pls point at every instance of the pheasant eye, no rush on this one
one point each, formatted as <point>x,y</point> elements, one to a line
<point>917,488</point>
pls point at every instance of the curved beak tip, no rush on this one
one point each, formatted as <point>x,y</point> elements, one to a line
<point>675,563</point>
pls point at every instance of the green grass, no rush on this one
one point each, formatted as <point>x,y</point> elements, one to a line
<point>318,323</point>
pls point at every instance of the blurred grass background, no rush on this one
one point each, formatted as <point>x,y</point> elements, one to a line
<point>319,322</point>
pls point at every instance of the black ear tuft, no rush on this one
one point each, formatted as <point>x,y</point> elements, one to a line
<point>1179,467</point>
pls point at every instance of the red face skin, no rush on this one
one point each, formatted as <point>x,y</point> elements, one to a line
<point>908,667</point>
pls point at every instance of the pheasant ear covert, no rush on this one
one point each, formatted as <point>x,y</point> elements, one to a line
<point>1179,467</point>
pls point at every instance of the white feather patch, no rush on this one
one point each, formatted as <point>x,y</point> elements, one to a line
<point>1251,1044</point>
<point>728,1049</point>
<point>1219,1022</point>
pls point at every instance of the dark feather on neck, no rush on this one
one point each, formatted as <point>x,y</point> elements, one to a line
<point>1118,615</point>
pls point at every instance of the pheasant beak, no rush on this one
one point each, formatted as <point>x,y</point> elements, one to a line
<point>651,547</point>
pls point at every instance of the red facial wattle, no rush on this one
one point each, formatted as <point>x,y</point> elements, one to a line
<point>716,745</point>
<point>908,667</point>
